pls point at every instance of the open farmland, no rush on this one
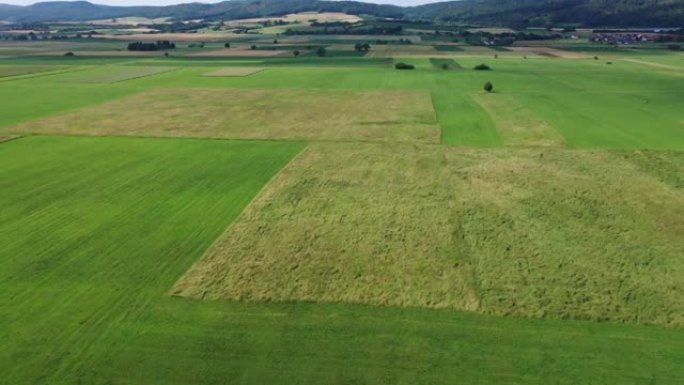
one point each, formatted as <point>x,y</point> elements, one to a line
<point>248,216</point>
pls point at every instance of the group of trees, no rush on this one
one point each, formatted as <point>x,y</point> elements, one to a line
<point>151,46</point>
<point>359,47</point>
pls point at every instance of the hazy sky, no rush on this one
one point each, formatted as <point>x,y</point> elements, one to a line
<point>166,2</point>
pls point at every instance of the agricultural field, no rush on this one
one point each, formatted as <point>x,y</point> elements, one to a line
<point>247,216</point>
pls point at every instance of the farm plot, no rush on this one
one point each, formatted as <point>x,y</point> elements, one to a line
<point>234,71</point>
<point>118,74</point>
<point>15,70</point>
<point>517,125</point>
<point>540,233</point>
<point>549,52</point>
<point>240,52</point>
<point>262,114</point>
<point>93,229</point>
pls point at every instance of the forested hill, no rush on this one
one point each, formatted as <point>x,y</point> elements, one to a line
<point>591,13</point>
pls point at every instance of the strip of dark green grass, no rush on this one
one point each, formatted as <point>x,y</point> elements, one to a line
<point>464,122</point>
<point>97,229</point>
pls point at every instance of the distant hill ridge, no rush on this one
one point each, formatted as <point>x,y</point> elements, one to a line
<point>590,13</point>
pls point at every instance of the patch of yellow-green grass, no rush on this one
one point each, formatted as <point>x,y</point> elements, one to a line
<point>256,114</point>
<point>7,138</point>
<point>234,71</point>
<point>517,125</point>
<point>114,74</point>
<point>529,232</point>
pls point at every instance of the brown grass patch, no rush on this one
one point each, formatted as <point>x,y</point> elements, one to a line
<point>255,114</point>
<point>234,71</point>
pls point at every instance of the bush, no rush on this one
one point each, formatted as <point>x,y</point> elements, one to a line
<point>404,66</point>
<point>489,87</point>
<point>321,51</point>
<point>296,53</point>
<point>445,66</point>
<point>69,54</point>
<point>227,45</point>
<point>482,67</point>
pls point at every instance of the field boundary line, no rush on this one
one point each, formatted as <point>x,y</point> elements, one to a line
<point>256,196</point>
<point>653,64</point>
<point>46,73</point>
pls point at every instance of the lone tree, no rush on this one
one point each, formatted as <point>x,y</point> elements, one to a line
<point>321,51</point>
<point>227,45</point>
<point>296,53</point>
<point>489,87</point>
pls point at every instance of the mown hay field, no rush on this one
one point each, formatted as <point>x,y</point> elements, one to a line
<point>562,234</point>
<point>255,114</point>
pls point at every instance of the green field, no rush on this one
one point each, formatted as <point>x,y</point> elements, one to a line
<point>331,220</point>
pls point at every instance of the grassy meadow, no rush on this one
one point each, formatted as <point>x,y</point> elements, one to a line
<point>249,219</point>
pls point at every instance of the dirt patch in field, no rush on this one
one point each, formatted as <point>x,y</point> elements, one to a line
<point>526,232</point>
<point>257,114</point>
<point>234,71</point>
<point>549,52</point>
